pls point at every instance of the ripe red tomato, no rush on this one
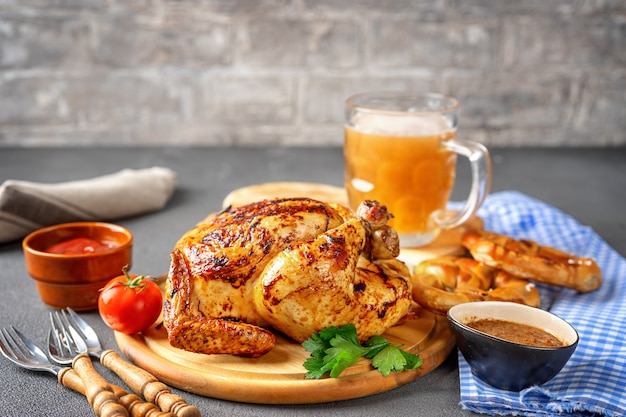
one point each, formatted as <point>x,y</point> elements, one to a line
<point>130,303</point>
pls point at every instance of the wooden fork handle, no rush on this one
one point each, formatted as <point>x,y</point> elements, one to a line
<point>68,378</point>
<point>147,385</point>
<point>97,390</point>
<point>135,406</point>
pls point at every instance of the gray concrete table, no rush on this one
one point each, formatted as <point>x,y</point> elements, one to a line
<point>589,184</point>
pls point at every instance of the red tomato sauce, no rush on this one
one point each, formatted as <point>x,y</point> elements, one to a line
<point>79,246</point>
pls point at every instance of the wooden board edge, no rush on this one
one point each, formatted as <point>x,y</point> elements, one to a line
<point>281,391</point>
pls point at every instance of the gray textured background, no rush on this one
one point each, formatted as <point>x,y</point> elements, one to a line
<point>251,73</point>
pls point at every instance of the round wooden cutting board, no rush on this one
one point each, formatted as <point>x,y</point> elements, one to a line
<point>279,376</point>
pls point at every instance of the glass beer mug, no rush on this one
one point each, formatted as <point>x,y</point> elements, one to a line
<point>400,149</point>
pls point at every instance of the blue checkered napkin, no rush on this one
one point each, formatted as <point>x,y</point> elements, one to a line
<point>593,382</point>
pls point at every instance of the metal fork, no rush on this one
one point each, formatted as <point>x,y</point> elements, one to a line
<point>65,343</point>
<point>138,379</point>
<point>23,352</point>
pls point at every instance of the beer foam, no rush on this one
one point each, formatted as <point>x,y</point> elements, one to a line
<point>401,124</point>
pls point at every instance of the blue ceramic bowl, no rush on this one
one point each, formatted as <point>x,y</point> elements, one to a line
<point>507,365</point>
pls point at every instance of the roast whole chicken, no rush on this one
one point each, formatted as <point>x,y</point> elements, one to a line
<point>292,265</point>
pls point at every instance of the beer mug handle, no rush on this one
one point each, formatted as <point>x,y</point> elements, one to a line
<point>480,163</point>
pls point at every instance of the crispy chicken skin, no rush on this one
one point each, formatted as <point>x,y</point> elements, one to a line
<point>294,265</point>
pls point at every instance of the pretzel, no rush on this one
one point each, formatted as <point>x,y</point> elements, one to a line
<point>527,259</point>
<point>443,282</point>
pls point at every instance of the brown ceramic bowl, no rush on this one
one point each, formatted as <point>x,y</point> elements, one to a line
<point>73,279</point>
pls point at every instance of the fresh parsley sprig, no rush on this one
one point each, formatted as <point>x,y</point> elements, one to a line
<point>335,348</point>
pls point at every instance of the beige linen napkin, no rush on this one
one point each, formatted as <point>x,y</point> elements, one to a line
<point>26,206</point>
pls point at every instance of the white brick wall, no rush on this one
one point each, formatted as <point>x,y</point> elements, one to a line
<point>256,72</point>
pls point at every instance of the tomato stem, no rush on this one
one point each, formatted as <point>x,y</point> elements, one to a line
<point>133,283</point>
